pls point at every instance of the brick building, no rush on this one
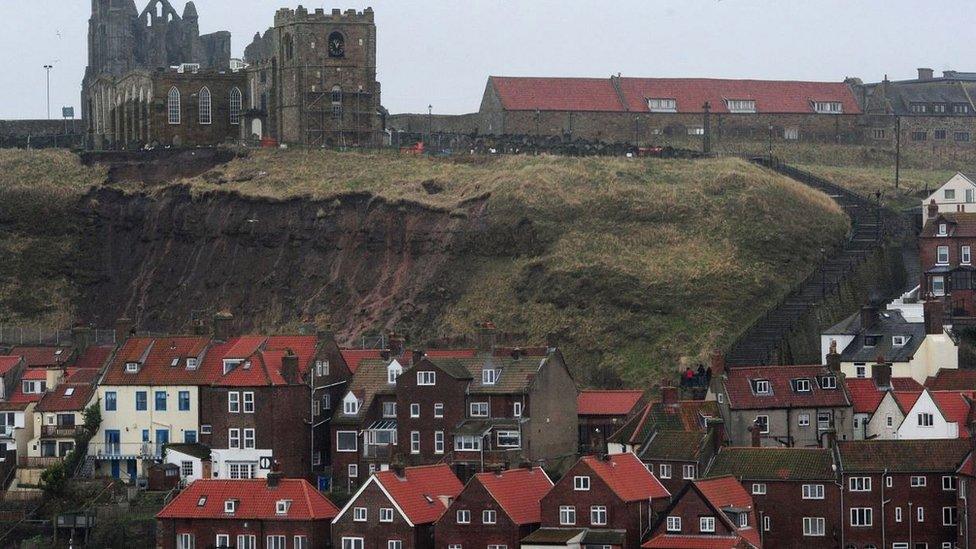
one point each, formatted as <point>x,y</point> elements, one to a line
<point>601,413</point>
<point>794,490</point>
<point>715,513</point>
<point>312,78</point>
<point>899,493</point>
<point>270,513</point>
<point>966,492</point>
<point>494,509</point>
<point>396,508</point>
<point>613,498</point>
<point>945,251</point>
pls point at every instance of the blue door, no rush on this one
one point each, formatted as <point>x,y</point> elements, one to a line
<point>112,442</point>
<point>115,469</point>
<point>131,469</point>
<point>162,439</point>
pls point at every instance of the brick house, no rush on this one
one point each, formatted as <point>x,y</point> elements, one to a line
<point>784,405</point>
<point>966,492</point>
<point>876,413</point>
<point>794,490</point>
<point>613,497</point>
<point>712,513</point>
<point>270,513</point>
<point>899,493</point>
<point>676,457</point>
<point>494,509</point>
<point>958,194</point>
<point>945,251</point>
<point>601,413</point>
<point>669,414</point>
<point>396,509</point>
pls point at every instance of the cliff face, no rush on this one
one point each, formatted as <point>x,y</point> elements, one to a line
<point>358,261</point>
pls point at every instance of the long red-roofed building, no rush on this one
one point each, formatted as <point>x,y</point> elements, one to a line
<point>601,413</point>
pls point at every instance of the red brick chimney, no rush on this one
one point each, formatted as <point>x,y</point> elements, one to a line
<point>934,314</point>
<point>289,367</point>
<point>275,475</point>
<point>486,337</point>
<point>869,316</point>
<point>669,396</point>
<point>718,363</point>
<point>833,357</point>
<point>396,344</point>
<point>416,356</point>
<point>932,210</point>
<point>756,435</point>
<point>881,372</point>
<point>123,329</point>
<point>222,321</point>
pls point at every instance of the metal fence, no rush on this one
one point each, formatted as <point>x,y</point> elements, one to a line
<point>39,335</point>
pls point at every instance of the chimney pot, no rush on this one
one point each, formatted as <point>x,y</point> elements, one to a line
<point>289,367</point>
<point>222,321</point>
<point>934,315</point>
<point>416,356</point>
<point>882,374</point>
<point>925,73</point>
<point>869,316</point>
<point>932,209</point>
<point>669,396</point>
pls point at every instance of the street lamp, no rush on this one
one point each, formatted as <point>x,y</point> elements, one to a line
<point>48,69</point>
<point>430,123</point>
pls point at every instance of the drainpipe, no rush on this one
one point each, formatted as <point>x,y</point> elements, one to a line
<point>910,515</point>
<point>884,477</point>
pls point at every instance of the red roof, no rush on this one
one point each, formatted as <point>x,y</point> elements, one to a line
<point>952,380</point>
<point>256,501</point>
<point>607,403</point>
<point>671,541</point>
<point>59,399</point>
<point>968,466</point>
<point>690,94</point>
<point>354,357</point>
<point>86,375</point>
<point>906,399</point>
<point>451,353</point>
<point>725,492</point>
<point>627,477</point>
<point>955,406</point>
<point>19,399</point>
<point>35,375</point>
<point>742,396</point>
<point>7,363</point>
<point>866,396</point>
<point>93,357</point>
<point>418,493</point>
<point>262,358</point>
<point>42,357</point>
<point>519,492</point>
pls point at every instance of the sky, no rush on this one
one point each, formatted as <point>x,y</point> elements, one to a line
<point>440,52</point>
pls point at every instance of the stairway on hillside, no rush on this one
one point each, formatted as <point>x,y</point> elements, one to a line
<point>870,226</point>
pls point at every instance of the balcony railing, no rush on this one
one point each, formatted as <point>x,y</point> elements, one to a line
<point>117,450</point>
<point>375,451</point>
<point>61,430</point>
<point>38,462</point>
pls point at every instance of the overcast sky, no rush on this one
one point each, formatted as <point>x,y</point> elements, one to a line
<point>440,52</point>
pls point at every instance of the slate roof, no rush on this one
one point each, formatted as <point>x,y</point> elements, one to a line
<point>418,492</point>
<point>607,403</point>
<point>741,395</point>
<point>952,380</point>
<point>515,375</point>
<point>195,449</point>
<point>518,492</point>
<point>898,96</point>
<point>902,456</point>
<point>44,356</point>
<point>369,380</point>
<point>627,477</point>
<point>552,536</point>
<point>354,357</point>
<point>961,225</point>
<point>674,446</point>
<point>866,396</point>
<point>256,501</point>
<point>773,464</point>
<point>603,95</point>
<point>685,415</point>
<point>890,323</point>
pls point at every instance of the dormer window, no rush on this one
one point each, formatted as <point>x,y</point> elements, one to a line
<point>828,382</point>
<point>131,367</point>
<point>231,363</point>
<point>489,376</point>
<point>871,340</point>
<point>761,386</point>
<point>426,378</point>
<point>743,520</point>
<point>230,506</point>
<point>69,391</point>
<point>393,371</point>
<point>828,107</point>
<point>662,105</point>
<point>801,385</point>
<point>282,506</point>
<point>741,105</point>
<point>350,405</point>
<point>191,364</point>
<point>899,341</point>
<point>943,229</point>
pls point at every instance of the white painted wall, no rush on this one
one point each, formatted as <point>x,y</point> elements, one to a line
<point>842,342</point>
<point>958,183</point>
<point>177,458</point>
<point>878,424</point>
<point>941,429</point>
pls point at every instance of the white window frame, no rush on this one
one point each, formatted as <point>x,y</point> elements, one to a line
<point>438,442</point>
<point>517,409</point>
<point>898,517</point>
<point>234,402</point>
<point>489,376</point>
<point>463,516</point>
<point>355,437</point>
<point>950,516</point>
<point>174,112</point>
<point>489,516</point>
<point>740,106</point>
<point>942,255</point>
<point>803,420</point>
<point>567,515</point>
<point>426,378</point>
<point>206,106</point>
<point>814,526</point>
<point>414,442</point>
<point>223,540</point>
<point>185,540</point>
<point>763,387</point>
<point>664,470</point>
<point>352,471</point>
<point>414,410</point>
<point>966,254</point>
<point>803,385</point>
<point>511,434</point>
<point>581,483</point>
<point>920,514</point>
<point>862,517</point>
<point>759,488</point>
<point>234,438</point>
<point>360,514</point>
<point>479,409</point>
<point>386,514</point>
<point>859,484</point>
<point>706,524</point>
<point>598,515</point>
<point>236,104</point>
<point>248,402</point>
<point>352,543</point>
<point>688,471</point>
<point>662,104</point>
<point>949,483</point>
<point>467,443</point>
<point>249,439</point>
<point>938,285</point>
<point>674,524</point>
<point>438,410</point>
<point>926,419</point>
<point>918,481</point>
<point>812,491</point>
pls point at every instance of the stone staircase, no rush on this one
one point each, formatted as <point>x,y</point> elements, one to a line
<point>870,227</point>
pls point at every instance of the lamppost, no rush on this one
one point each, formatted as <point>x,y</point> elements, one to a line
<point>430,123</point>
<point>897,149</point>
<point>769,147</point>
<point>637,133</point>
<point>48,69</point>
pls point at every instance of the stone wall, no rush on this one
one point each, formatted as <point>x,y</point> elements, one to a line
<point>41,133</point>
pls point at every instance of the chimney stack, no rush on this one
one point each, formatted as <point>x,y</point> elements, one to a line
<point>718,363</point>
<point>486,337</point>
<point>416,356</point>
<point>517,353</point>
<point>881,372</point>
<point>756,435</point>
<point>289,367</point>
<point>396,344</point>
<point>925,73</point>
<point>123,329</point>
<point>81,338</point>
<point>833,357</point>
<point>934,315</point>
<point>275,475</point>
<point>669,396</point>
<point>869,316</point>
<point>222,321</point>
<point>932,210</point>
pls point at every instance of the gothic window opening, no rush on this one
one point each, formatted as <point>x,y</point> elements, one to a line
<point>336,95</point>
<point>236,102</point>
<point>205,110</point>
<point>337,45</point>
<point>289,47</point>
<point>173,106</point>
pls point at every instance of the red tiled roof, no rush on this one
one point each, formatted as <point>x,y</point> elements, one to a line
<point>955,407</point>
<point>451,353</point>
<point>86,375</point>
<point>627,477</point>
<point>262,359</point>
<point>724,492</point>
<point>865,395</point>
<point>256,501</point>
<point>607,403</point>
<point>354,357</point>
<point>671,541</point>
<point>952,380</point>
<point>58,399</point>
<point>417,493</point>
<point>303,346</point>
<point>961,225</point>
<point>42,357</point>
<point>7,363</point>
<point>690,94</point>
<point>906,399</point>
<point>19,399</point>
<point>93,357</point>
<point>35,375</point>
<point>158,368</point>
<point>518,492</point>
<point>739,387</point>
<point>968,466</point>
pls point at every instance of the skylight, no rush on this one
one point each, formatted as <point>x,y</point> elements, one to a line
<point>69,391</point>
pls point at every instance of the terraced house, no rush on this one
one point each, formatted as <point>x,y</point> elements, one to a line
<point>715,513</point>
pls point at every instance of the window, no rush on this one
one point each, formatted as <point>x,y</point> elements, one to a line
<point>706,524</point>
<point>897,514</point>
<point>899,341</point>
<point>142,401</point>
<point>479,409</point>
<point>943,255</point>
<point>879,133</point>
<point>938,285</point>
<point>393,371</point>
<point>664,470</point>
<point>438,442</point>
<point>598,515</point>
<point>186,468</point>
<point>861,516</point>
<point>960,108</point>
<point>939,135</point>
<point>824,420</point>
<point>223,541</point>
<point>191,364</point>
<point>386,514</point>
<point>489,376</point>
<point>803,420</point>
<point>925,419</point>
<point>687,472</point>
<point>249,438</point>
<point>828,382</point>
<point>205,111</point>
<point>236,101</point>
<point>35,387</point>
<point>234,438</point>
<point>741,105</point>
<point>336,94</point>
<point>948,483</point>
<point>426,378</point>
<point>759,489</point>
<point>888,481</point>
<point>185,541</point>
<point>859,484</point>
<point>350,405</point>
<point>517,409</point>
<point>247,542</point>
<point>803,385</point>
<point>353,470</point>
<point>352,543</point>
<point>919,135</point>
<point>230,506</point>
<point>889,421</point>
<point>464,516</point>
<point>763,423</point>
<point>949,516</point>
<point>111,401</point>
<point>414,442</point>
<point>394,544</point>
<point>488,516</point>
<point>467,443</point>
<point>275,542</point>
<point>674,524</point>
<point>962,137</point>
<point>184,401</point>
<point>414,410</point>
<point>206,429</point>
<point>697,130</point>
<point>943,229</point>
<point>567,515</point>
<point>967,255</point>
<point>860,370</point>
<point>920,513</point>
<point>662,105</point>
<point>337,45</point>
<point>761,386</point>
<point>814,526</point>
<point>813,491</point>
<point>508,439</point>
<point>327,401</point>
<point>939,108</point>
<point>389,409</point>
<point>346,441</point>
<point>918,481</point>
<point>233,402</point>
<point>766,523</point>
<point>581,483</point>
<point>438,409</point>
<point>359,514</point>
<point>918,108</point>
<point>173,106</point>
<point>321,368</point>
<point>828,107</point>
<point>249,402</point>
<point>282,506</point>
<point>791,134</point>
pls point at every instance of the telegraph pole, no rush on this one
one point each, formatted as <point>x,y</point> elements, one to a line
<point>48,69</point>
<point>897,149</point>
<point>707,128</point>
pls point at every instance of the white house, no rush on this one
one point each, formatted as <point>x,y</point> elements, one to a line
<point>936,415</point>
<point>194,461</point>
<point>958,194</point>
